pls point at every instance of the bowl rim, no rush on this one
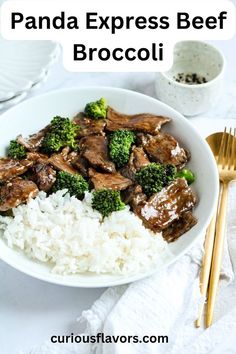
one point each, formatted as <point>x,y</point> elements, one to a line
<point>126,279</point>
<point>203,85</point>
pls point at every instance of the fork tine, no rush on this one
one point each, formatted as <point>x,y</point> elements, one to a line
<point>231,158</point>
<point>221,155</point>
<point>228,149</point>
<point>233,154</point>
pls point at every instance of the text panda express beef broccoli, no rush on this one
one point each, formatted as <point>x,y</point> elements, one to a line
<point>123,159</point>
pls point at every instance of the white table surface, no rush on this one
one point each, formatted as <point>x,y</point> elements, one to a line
<point>31,310</point>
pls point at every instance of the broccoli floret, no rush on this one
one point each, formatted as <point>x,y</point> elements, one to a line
<point>170,172</point>
<point>187,174</point>
<point>16,151</point>
<point>154,177</point>
<point>75,184</point>
<point>96,110</point>
<point>106,201</point>
<point>51,143</point>
<point>62,132</point>
<point>8,213</point>
<point>120,143</point>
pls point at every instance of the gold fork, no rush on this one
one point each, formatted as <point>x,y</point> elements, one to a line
<point>227,172</point>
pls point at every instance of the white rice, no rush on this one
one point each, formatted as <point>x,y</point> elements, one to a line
<point>72,237</point>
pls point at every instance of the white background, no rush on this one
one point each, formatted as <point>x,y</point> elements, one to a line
<point>31,310</point>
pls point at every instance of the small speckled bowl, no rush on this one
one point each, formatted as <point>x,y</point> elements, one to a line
<point>192,57</point>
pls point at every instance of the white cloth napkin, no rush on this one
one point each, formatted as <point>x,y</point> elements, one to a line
<point>164,304</point>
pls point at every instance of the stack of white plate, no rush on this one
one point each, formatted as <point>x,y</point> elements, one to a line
<point>23,66</point>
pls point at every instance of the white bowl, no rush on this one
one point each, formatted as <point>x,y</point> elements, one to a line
<point>33,114</point>
<point>192,57</point>
<point>23,64</point>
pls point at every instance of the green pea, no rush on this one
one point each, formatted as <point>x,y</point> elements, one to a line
<point>187,174</point>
